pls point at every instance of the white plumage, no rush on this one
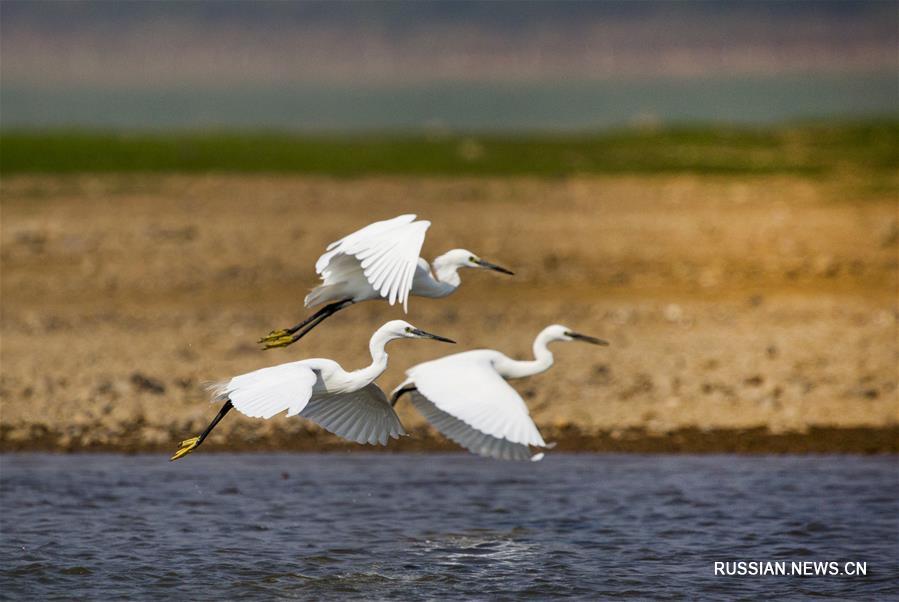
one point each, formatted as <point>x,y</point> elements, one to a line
<point>267,392</point>
<point>363,416</point>
<point>380,261</point>
<point>302,388</point>
<point>383,254</point>
<point>347,404</point>
<point>466,397</point>
<point>468,386</point>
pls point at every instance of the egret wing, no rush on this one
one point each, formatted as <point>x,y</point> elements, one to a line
<point>269,391</point>
<point>386,252</point>
<point>468,437</point>
<point>465,398</point>
<point>363,416</point>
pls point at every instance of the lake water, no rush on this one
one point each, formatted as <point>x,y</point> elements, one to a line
<point>383,526</point>
<point>457,106</point>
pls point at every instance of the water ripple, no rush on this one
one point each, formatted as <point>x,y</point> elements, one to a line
<point>426,527</point>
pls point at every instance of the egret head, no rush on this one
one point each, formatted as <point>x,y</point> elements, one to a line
<point>400,329</point>
<point>557,332</point>
<point>464,258</point>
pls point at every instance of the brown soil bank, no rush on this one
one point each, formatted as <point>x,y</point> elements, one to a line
<point>745,314</point>
<point>816,440</point>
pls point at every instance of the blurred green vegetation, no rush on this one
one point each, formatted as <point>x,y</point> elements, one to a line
<point>871,146</point>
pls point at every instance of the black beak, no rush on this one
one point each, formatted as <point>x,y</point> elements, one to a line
<point>494,267</point>
<point>587,339</point>
<point>428,335</point>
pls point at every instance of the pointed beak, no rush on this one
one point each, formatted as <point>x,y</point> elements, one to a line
<point>587,339</point>
<point>427,335</point>
<point>494,267</point>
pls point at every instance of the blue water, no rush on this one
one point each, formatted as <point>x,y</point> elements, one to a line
<point>482,107</point>
<point>382,526</point>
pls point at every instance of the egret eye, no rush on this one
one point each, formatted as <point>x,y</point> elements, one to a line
<point>472,259</point>
<point>408,329</point>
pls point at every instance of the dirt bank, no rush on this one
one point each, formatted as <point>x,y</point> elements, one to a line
<point>732,304</point>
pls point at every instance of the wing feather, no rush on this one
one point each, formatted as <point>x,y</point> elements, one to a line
<point>467,436</point>
<point>392,282</point>
<point>379,278</point>
<point>407,285</point>
<point>269,391</point>
<point>386,252</point>
<point>466,387</point>
<point>363,416</point>
<point>372,230</point>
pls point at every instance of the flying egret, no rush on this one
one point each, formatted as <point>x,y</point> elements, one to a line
<point>466,397</point>
<point>347,404</point>
<point>380,261</point>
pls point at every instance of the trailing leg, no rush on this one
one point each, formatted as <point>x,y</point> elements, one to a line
<point>188,445</point>
<point>277,334</point>
<point>400,392</point>
<point>283,338</point>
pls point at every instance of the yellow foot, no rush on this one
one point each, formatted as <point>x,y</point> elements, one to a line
<point>272,341</point>
<point>274,335</point>
<point>187,446</point>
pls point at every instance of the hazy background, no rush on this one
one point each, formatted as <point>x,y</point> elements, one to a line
<point>712,186</point>
<point>461,65</point>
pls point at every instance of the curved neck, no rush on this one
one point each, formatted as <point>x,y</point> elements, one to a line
<point>446,271</point>
<point>444,281</point>
<point>543,359</point>
<point>378,348</point>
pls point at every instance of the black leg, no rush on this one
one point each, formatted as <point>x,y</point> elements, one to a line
<point>396,396</point>
<point>331,310</point>
<point>188,445</point>
<point>278,334</point>
<point>283,340</point>
<point>305,331</point>
<point>314,316</point>
<point>218,418</point>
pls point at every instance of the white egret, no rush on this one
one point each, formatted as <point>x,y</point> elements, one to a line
<point>380,261</point>
<point>465,396</point>
<point>347,404</point>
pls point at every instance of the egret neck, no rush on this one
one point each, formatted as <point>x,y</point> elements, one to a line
<point>543,359</point>
<point>377,346</point>
<point>443,282</point>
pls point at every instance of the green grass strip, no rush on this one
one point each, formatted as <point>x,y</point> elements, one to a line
<point>797,149</point>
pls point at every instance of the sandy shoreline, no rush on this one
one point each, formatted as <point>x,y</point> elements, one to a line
<point>816,440</point>
<point>757,309</point>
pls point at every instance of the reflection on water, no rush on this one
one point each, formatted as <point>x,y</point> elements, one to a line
<point>408,526</point>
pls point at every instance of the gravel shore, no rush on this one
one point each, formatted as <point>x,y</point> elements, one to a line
<point>745,314</point>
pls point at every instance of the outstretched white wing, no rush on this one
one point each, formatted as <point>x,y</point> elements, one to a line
<point>466,399</point>
<point>386,252</point>
<point>364,416</point>
<point>269,391</point>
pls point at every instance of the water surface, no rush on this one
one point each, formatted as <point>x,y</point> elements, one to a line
<point>467,106</point>
<point>381,526</point>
